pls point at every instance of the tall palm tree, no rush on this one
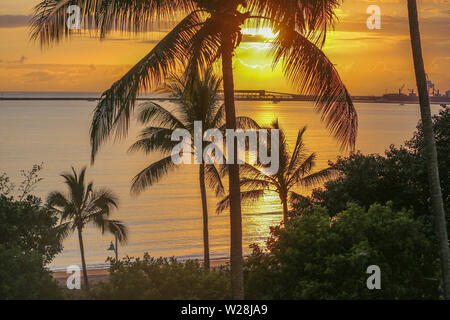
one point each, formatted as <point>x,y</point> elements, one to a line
<point>210,30</point>
<point>295,169</point>
<point>198,99</point>
<point>430,147</point>
<point>85,205</point>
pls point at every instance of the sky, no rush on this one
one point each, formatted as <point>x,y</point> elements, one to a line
<point>370,62</point>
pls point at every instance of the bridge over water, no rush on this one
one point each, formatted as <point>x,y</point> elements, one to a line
<point>263,95</point>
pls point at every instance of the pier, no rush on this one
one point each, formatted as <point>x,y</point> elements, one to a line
<point>240,95</point>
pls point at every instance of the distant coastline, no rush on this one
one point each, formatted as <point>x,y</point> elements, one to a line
<point>241,95</point>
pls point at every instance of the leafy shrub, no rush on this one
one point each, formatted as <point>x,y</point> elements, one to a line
<point>28,242</point>
<point>318,257</point>
<point>162,278</point>
<point>399,176</point>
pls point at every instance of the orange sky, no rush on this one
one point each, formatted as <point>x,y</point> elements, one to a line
<point>369,61</point>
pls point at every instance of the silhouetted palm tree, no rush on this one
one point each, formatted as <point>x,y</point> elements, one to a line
<point>430,147</point>
<point>197,100</point>
<point>85,205</point>
<point>295,169</point>
<point>210,29</point>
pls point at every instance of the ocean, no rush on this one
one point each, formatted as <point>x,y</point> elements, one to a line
<point>166,220</point>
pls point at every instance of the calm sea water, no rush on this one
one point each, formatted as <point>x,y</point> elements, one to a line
<point>166,219</point>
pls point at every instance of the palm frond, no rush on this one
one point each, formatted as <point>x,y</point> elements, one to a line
<point>57,199</point>
<point>317,177</point>
<point>214,180</point>
<point>152,174</point>
<point>253,172</point>
<point>112,226</point>
<point>152,139</point>
<point>88,193</point>
<point>246,196</point>
<point>219,117</point>
<point>311,72</point>
<point>301,170</point>
<point>100,17</point>
<point>150,112</point>
<point>312,18</point>
<point>63,230</point>
<point>256,183</point>
<point>204,47</point>
<point>298,153</point>
<point>114,110</point>
<point>243,122</point>
<point>76,186</point>
<point>102,201</point>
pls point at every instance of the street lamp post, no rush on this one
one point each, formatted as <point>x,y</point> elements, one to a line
<point>114,248</point>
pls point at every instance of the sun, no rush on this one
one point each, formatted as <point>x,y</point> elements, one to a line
<point>265,32</point>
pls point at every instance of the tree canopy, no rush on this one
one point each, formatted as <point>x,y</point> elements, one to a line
<point>318,257</point>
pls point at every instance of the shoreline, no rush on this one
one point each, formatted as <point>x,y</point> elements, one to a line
<point>301,99</point>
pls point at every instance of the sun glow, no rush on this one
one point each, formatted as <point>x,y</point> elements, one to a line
<point>266,32</point>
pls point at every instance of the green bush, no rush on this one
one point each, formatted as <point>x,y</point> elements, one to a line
<point>399,176</point>
<point>162,278</point>
<point>28,242</point>
<point>318,257</point>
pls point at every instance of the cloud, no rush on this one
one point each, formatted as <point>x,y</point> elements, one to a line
<point>59,77</point>
<point>21,60</point>
<point>14,21</point>
<point>39,76</point>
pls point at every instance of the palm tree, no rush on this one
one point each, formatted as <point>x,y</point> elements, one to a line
<point>430,147</point>
<point>197,100</point>
<point>294,170</point>
<point>210,30</point>
<point>85,205</point>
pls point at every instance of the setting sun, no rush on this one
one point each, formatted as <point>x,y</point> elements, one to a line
<point>266,32</point>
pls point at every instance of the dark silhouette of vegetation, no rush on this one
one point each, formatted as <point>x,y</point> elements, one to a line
<point>400,175</point>
<point>29,240</point>
<point>209,31</point>
<point>198,100</point>
<point>85,205</point>
<point>295,170</point>
<point>163,278</point>
<point>315,256</point>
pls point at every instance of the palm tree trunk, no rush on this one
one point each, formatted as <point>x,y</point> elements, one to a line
<point>205,218</point>
<point>237,274</point>
<point>430,147</point>
<point>83,262</point>
<point>285,209</point>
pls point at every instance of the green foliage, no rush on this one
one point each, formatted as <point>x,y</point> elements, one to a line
<point>162,278</point>
<point>318,257</point>
<point>29,225</point>
<point>400,176</point>
<point>23,275</point>
<point>28,241</point>
<point>441,128</point>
